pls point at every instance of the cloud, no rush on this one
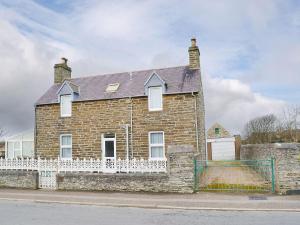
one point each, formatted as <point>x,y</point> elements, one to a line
<point>247,49</point>
<point>233,103</point>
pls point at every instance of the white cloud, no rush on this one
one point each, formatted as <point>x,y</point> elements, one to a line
<point>233,103</point>
<point>249,42</point>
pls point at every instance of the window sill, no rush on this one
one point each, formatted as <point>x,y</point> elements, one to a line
<point>156,159</point>
<point>66,116</point>
<point>155,110</point>
<point>65,159</point>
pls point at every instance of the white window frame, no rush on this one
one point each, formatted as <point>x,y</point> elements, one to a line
<point>65,146</point>
<point>149,98</point>
<point>61,111</point>
<point>156,145</point>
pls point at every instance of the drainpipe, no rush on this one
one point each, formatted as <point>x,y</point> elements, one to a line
<point>35,134</point>
<point>131,128</point>
<point>127,147</point>
<point>196,123</point>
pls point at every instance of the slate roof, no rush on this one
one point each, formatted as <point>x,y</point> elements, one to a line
<point>178,80</point>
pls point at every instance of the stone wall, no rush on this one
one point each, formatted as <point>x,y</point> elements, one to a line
<point>223,133</point>
<point>18,179</point>
<point>91,119</point>
<point>287,163</point>
<point>179,178</point>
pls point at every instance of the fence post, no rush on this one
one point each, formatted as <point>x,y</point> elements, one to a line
<point>195,175</point>
<point>273,174</point>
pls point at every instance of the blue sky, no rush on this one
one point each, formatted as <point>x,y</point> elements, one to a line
<point>249,50</point>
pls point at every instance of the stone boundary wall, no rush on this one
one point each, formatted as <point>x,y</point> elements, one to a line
<point>287,164</point>
<point>179,177</point>
<point>18,179</point>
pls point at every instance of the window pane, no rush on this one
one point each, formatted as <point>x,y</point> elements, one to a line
<point>157,152</point>
<point>66,153</point>
<point>17,145</point>
<point>109,149</point>
<point>155,94</point>
<point>66,105</point>
<point>27,149</point>
<point>10,150</point>
<point>156,138</point>
<point>66,140</point>
<point>17,153</point>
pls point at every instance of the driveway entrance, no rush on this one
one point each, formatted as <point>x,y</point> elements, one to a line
<point>235,175</point>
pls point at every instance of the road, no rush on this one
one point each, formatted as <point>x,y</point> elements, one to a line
<point>33,213</point>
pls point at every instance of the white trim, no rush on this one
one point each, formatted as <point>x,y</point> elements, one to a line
<point>154,73</point>
<point>149,97</point>
<point>156,145</point>
<point>65,146</point>
<point>66,82</point>
<point>103,139</point>
<point>61,113</point>
<point>231,139</point>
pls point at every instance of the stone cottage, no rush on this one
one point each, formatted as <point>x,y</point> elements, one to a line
<point>123,115</point>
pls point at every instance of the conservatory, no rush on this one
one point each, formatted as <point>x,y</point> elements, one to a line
<point>20,145</point>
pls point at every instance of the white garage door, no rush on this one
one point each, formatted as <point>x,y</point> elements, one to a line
<point>223,150</point>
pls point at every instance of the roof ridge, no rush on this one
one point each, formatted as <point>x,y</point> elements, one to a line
<point>135,71</point>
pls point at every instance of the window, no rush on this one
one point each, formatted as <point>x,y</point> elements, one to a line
<point>155,98</point>
<point>217,131</point>
<point>65,105</point>
<point>17,149</point>
<point>66,146</point>
<point>112,87</point>
<point>156,145</point>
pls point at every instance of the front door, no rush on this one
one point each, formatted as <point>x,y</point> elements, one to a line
<point>109,153</point>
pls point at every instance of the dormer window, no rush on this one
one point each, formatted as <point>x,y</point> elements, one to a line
<point>65,105</point>
<point>155,98</point>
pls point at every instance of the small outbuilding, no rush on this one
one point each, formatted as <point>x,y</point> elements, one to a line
<point>20,145</point>
<point>221,145</point>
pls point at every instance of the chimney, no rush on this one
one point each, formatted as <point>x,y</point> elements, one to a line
<point>62,71</point>
<point>194,55</point>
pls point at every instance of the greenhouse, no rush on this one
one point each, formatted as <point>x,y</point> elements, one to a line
<point>20,145</point>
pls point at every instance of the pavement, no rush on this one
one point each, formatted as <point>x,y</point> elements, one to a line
<point>197,201</point>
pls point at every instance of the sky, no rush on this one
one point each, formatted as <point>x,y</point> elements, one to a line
<point>250,50</point>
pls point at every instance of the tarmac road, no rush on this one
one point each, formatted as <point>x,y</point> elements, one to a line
<point>33,213</point>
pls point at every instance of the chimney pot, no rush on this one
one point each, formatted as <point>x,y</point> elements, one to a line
<point>193,42</point>
<point>64,60</point>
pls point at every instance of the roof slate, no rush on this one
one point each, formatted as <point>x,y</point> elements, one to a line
<point>178,80</point>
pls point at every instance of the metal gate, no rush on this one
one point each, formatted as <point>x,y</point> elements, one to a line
<point>235,175</point>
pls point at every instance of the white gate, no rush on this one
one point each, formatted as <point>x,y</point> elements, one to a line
<point>47,179</point>
<point>47,173</point>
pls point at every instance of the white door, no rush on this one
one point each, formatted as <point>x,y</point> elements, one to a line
<point>109,153</point>
<point>223,150</point>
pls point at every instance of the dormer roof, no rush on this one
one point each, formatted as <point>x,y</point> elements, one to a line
<point>67,87</point>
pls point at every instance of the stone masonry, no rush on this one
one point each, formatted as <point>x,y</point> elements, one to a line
<point>18,179</point>
<point>179,178</point>
<point>287,162</point>
<point>90,119</point>
<point>223,132</point>
<point>2,149</point>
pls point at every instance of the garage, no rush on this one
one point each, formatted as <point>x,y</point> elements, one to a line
<point>221,149</point>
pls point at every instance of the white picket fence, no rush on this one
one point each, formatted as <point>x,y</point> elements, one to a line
<point>85,165</point>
